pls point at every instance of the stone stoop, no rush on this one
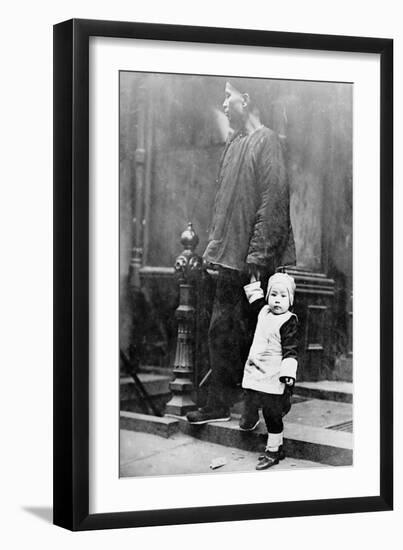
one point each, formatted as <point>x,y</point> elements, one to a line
<point>330,390</point>
<point>324,442</point>
<point>156,385</point>
<point>156,382</point>
<point>146,423</point>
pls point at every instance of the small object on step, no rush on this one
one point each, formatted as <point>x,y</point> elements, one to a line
<point>218,462</point>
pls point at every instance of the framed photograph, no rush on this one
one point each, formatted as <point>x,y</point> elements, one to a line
<point>223,288</point>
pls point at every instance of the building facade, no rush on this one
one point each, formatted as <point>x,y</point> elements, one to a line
<point>172,132</point>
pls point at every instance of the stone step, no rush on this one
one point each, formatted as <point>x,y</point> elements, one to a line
<point>146,423</point>
<point>155,384</point>
<point>310,431</point>
<point>325,389</point>
<point>157,387</point>
<point>156,381</point>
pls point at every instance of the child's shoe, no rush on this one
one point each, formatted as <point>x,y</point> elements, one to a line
<point>268,459</point>
<point>281,454</point>
<point>248,423</point>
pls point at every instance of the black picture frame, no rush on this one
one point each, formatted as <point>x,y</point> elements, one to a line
<point>72,285</point>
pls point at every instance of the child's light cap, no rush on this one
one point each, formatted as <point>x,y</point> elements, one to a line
<point>284,279</point>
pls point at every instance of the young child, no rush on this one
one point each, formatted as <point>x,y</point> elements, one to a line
<point>271,366</point>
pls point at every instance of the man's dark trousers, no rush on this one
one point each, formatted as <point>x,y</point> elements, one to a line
<point>230,336</point>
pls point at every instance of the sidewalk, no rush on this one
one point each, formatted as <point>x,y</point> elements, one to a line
<point>145,454</point>
<point>317,430</point>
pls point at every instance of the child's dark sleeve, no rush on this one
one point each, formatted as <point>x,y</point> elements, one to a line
<point>255,296</point>
<point>289,347</point>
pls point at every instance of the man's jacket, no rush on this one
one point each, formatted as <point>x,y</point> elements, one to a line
<point>251,221</point>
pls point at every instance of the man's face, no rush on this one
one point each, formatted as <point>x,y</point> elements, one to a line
<point>279,301</point>
<point>234,106</point>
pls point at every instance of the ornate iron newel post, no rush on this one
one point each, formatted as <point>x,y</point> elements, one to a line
<point>187,267</point>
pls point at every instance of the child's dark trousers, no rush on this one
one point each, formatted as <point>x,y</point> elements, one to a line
<point>274,408</point>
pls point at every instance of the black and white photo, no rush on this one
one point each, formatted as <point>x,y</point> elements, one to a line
<point>234,192</point>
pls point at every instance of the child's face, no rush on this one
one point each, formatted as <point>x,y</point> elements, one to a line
<point>279,301</point>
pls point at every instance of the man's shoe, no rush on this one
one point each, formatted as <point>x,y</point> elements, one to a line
<point>206,415</point>
<point>247,424</point>
<point>268,460</point>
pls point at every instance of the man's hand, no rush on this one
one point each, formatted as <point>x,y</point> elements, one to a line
<point>254,272</point>
<point>289,381</point>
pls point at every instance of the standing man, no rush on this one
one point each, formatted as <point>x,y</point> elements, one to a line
<point>250,236</point>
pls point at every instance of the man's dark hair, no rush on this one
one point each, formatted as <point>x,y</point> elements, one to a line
<point>257,89</point>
